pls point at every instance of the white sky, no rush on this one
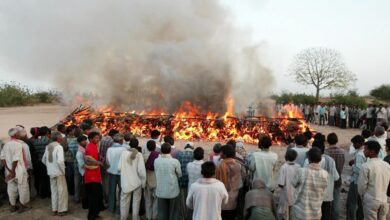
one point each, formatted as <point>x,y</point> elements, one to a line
<point>358,29</point>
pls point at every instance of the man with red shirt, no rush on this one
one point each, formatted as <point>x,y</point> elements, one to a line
<point>92,177</point>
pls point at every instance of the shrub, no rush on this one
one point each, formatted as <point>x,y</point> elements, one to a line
<point>382,92</point>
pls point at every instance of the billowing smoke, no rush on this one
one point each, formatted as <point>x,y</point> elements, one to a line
<point>139,54</point>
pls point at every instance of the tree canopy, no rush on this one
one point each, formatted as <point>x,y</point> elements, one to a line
<point>382,92</point>
<point>321,67</point>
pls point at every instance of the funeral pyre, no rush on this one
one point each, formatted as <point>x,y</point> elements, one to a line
<point>188,123</point>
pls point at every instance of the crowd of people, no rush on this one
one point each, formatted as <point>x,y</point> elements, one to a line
<point>160,181</point>
<point>343,116</point>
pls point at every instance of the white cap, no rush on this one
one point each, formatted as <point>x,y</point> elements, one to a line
<point>12,132</point>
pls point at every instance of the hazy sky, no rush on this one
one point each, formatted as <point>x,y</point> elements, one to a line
<point>358,29</point>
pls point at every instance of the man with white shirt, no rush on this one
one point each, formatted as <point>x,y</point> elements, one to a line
<point>373,181</point>
<point>301,148</point>
<point>207,195</point>
<point>114,179</point>
<point>133,178</point>
<point>16,176</point>
<point>54,160</point>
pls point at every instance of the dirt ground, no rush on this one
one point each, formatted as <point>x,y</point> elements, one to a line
<point>50,114</point>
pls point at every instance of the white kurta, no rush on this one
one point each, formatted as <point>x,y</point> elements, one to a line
<point>205,197</point>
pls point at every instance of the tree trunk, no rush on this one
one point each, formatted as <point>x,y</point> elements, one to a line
<point>318,94</point>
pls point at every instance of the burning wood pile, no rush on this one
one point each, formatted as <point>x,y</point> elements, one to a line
<point>189,124</point>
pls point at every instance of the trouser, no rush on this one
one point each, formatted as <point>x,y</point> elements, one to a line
<point>59,194</point>
<point>375,210</point>
<point>31,181</point>
<point>168,209</point>
<point>125,204</point>
<point>229,214</point>
<point>354,204</point>
<point>336,203</point>
<point>42,180</point>
<point>114,181</point>
<point>78,182</point>
<point>150,203</point>
<point>94,193</point>
<point>322,119</point>
<point>343,123</point>
<point>183,206</point>
<point>69,174</point>
<point>331,121</point>
<point>326,209</point>
<point>21,188</point>
<point>104,175</point>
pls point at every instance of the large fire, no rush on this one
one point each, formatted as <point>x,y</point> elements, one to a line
<point>188,123</point>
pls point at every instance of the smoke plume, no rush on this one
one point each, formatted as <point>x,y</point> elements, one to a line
<point>139,54</point>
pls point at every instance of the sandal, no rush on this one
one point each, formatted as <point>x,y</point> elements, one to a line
<point>54,213</point>
<point>62,213</point>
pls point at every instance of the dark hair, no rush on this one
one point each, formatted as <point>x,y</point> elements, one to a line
<point>373,146</point>
<point>34,131</point>
<point>113,132</point>
<point>291,155</point>
<point>228,151</point>
<point>308,134</point>
<point>166,148</point>
<point>388,142</point>
<point>232,143</point>
<point>319,137</point>
<point>314,155</point>
<point>44,130</point>
<point>366,133</point>
<point>151,145</point>
<point>154,134</point>
<point>217,148</point>
<point>332,138</point>
<point>128,136</point>
<point>357,139</point>
<point>265,142</point>
<point>92,135</point>
<point>70,128</point>
<point>85,126</point>
<point>208,169</point>
<point>88,121</point>
<point>198,153</point>
<point>60,127</point>
<point>134,143</point>
<point>81,139</point>
<point>169,139</point>
<point>301,140</point>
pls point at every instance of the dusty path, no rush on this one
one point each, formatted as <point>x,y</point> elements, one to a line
<point>49,115</point>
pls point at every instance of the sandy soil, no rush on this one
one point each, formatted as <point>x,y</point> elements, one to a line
<point>49,115</point>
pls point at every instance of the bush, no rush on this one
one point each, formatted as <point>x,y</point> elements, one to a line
<point>382,92</point>
<point>349,99</point>
<point>12,94</point>
<point>294,98</point>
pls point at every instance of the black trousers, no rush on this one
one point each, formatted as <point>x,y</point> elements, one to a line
<point>94,193</point>
<point>41,180</point>
<point>326,210</point>
<point>229,214</point>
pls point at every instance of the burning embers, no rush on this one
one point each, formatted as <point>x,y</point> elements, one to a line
<point>187,123</point>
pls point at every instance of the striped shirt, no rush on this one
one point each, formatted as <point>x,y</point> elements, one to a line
<point>167,170</point>
<point>310,184</point>
<point>184,157</point>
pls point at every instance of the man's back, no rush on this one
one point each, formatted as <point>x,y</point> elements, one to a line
<point>374,179</point>
<point>113,156</point>
<point>167,170</point>
<point>263,163</point>
<point>310,183</point>
<point>301,151</point>
<point>205,197</point>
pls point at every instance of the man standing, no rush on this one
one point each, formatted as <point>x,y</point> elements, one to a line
<point>263,163</point>
<point>92,177</point>
<point>354,201</point>
<point>207,194</point>
<point>338,156</point>
<point>154,136</point>
<point>54,160</point>
<point>167,171</point>
<point>184,157</point>
<point>310,184</point>
<point>301,148</point>
<point>133,177</point>
<point>15,172</point>
<point>114,178</point>
<point>373,181</point>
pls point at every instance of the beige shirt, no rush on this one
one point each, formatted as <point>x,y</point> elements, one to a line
<point>373,180</point>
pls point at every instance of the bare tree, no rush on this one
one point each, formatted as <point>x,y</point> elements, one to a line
<point>321,67</point>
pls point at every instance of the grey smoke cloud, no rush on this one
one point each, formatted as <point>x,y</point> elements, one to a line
<point>140,54</point>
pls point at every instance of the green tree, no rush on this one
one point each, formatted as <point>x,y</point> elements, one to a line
<point>382,92</point>
<point>322,68</point>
